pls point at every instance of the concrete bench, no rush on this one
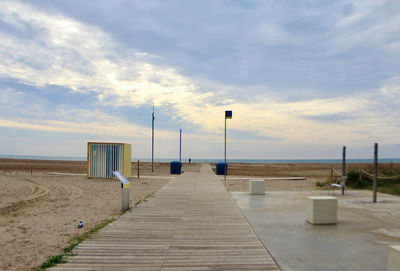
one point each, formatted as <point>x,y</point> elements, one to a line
<point>257,187</point>
<point>322,210</point>
<point>394,258</point>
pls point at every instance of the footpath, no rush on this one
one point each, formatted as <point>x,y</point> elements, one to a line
<point>190,224</point>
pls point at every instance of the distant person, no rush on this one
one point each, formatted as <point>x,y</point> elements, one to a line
<point>190,160</point>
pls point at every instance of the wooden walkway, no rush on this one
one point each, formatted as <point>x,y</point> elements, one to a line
<point>191,224</point>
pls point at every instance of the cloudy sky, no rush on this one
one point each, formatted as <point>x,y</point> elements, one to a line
<point>303,78</point>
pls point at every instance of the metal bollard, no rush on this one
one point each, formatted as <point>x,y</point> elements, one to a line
<point>125,191</point>
<point>125,197</point>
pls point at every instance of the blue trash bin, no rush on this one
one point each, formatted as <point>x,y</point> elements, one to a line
<point>220,168</point>
<point>175,167</point>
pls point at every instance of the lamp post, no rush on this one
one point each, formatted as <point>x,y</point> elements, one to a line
<point>228,115</point>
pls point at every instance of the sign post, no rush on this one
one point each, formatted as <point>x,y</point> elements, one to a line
<point>124,190</point>
<point>228,115</point>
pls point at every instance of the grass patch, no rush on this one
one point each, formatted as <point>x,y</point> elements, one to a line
<point>150,195</point>
<point>145,199</point>
<point>74,243</point>
<point>54,260</point>
<point>100,226</point>
<point>393,189</point>
<point>356,179</point>
<point>81,238</point>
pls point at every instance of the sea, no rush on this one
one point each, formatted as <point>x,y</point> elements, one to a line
<point>194,160</point>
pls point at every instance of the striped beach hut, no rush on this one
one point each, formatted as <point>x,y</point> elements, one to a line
<point>104,158</point>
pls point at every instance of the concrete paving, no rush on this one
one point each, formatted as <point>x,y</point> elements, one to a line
<point>360,240</point>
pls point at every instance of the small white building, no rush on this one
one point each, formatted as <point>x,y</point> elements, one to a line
<point>104,158</point>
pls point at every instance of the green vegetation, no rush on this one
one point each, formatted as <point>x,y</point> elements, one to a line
<point>79,239</point>
<point>390,184</point>
<point>73,244</point>
<point>357,179</point>
<point>54,260</point>
<point>394,190</point>
<point>145,199</point>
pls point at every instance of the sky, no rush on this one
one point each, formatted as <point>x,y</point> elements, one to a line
<point>302,78</point>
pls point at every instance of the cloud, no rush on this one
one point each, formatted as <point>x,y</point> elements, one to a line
<point>391,88</point>
<point>297,66</point>
<point>82,58</point>
<point>67,53</point>
<point>369,25</point>
<point>331,118</point>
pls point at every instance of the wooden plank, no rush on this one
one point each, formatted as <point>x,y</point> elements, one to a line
<point>191,224</point>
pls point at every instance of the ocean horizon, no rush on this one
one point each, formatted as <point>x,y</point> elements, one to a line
<point>202,160</point>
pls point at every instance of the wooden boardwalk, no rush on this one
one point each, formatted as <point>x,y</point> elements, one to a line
<point>191,224</point>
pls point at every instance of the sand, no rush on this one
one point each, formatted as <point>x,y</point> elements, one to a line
<point>240,174</point>
<point>42,202</point>
<point>39,213</point>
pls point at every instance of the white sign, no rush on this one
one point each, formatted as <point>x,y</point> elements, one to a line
<point>124,181</point>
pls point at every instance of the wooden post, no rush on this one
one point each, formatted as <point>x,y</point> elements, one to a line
<point>343,168</point>
<point>331,173</point>
<point>375,184</point>
<point>344,161</point>
<point>138,175</point>
<point>31,170</point>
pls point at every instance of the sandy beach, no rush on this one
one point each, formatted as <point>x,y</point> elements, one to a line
<point>39,213</point>
<point>42,202</point>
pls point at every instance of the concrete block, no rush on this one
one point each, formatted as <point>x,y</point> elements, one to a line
<point>257,187</point>
<point>394,258</point>
<point>322,210</point>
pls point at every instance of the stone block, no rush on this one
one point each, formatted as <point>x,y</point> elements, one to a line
<point>257,187</point>
<point>322,210</point>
